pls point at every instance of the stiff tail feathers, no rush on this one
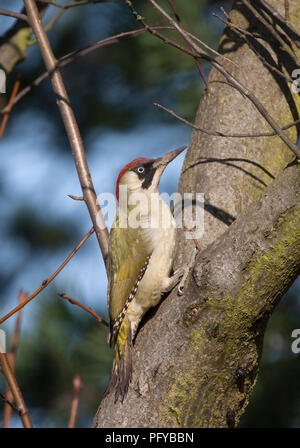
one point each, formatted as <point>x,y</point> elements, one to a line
<point>122,364</point>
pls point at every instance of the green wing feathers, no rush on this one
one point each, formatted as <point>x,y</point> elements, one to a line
<point>128,255</point>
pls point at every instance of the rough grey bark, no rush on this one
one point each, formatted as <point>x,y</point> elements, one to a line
<point>196,357</point>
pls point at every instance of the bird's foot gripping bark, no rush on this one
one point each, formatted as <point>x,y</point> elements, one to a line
<point>180,275</point>
<point>186,271</point>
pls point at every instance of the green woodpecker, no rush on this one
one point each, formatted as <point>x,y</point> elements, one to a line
<point>141,259</point>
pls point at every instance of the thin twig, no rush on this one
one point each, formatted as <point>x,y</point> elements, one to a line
<point>71,128</point>
<point>286,27</point>
<point>74,4</point>
<point>243,34</point>
<point>77,388</point>
<point>195,49</point>
<point>85,308</point>
<point>195,58</point>
<point>211,49</point>
<point>65,7</point>
<point>14,15</point>
<point>219,133</point>
<point>271,29</point>
<point>229,22</point>
<point>76,198</point>
<point>196,241</point>
<point>70,57</point>
<point>11,357</point>
<point>16,334</point>
<point>154,32</point>
<point>54,19</point>
<point>13,385</point>
<point>259,106</point>
<point>272,11</point>
<point>234,83</point>
<point>9,107</point>
<point>10,403</point>
<point>286,11</point>
<point>47,281</point>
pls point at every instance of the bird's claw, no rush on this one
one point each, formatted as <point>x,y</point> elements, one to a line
<point>180,289</point>
<point>186,271</point>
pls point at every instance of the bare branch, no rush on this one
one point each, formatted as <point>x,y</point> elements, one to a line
<point>77,388</point>
<point>233,82</point>
<point>9,107</point>
<point>47,281</point>
<point>11,357</point>
<point>259,106</point>
<point>54,19</point>
<point>244,35</point>
<point>70,57</point>
<point>195,58</point>
<point>222,134</point>
<point>65,7</point>
<point>76,198</point>
<point>89,310</point>
<point>153,31</point>
<point>72,129</point>
<point>10,403</point>
<point>211,49</point>
<point>15,15</point>
<point>74,4</point>
<point>13,385</point>
<point>286,11</point>
<point>282,21</point>
<point>271,29</point>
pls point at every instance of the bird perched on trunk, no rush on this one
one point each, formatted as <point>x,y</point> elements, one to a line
<point>142,249</point>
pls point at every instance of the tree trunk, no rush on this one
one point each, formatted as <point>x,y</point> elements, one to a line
<point>196,357</point>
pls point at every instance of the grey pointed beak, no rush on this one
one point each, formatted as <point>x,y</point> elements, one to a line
<point>161,163</point>
<point>167,158</point>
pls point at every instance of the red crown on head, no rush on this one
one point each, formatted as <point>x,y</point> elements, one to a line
<point>125,169</point>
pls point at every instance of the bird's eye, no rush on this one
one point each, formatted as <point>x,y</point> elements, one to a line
<point>141,169</point>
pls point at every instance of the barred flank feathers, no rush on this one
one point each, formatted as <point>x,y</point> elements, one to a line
<point>121,337</point>
<point>116,323</point>
<point>122,364</point>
